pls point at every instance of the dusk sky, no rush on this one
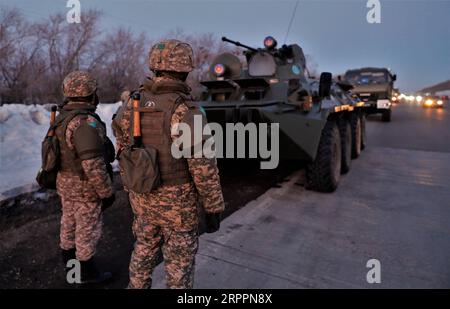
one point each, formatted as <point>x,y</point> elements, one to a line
<point>413,38</point>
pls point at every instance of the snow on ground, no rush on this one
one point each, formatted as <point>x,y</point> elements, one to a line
<point>22,128</point>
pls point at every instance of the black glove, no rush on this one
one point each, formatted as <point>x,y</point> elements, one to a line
<point>212,222</point>
<point>108,201</point>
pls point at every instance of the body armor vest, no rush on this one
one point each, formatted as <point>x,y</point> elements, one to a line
<point>69,160</point>
<point>156,115</point>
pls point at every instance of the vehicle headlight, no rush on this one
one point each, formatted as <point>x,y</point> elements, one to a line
<point>429,102</point>
<point>219,69</point>
<point>439,102</point>
<point>419,98</point>
<point>270,42</point>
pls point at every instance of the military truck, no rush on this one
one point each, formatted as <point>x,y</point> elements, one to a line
<point>316,126</point>
<point>375,87</point>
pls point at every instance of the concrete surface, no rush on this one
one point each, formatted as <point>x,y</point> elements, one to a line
<point>393,206</point>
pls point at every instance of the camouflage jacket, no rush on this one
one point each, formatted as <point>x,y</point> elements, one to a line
<point>174,205</point>
<point>97,183</point>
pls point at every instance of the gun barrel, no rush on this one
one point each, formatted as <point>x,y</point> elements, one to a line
<point>225,39</point>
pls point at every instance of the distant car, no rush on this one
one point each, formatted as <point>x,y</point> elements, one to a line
<point>432,101</point>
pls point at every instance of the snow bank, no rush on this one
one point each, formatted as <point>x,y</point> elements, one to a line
<point>22,128</point>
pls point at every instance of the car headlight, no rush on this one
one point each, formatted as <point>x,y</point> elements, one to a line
<point>429,102</point>
<point>419,98</point>
<point>439,102</point>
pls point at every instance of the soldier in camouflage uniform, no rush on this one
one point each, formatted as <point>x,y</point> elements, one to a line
<point>84,181</point>
<point>167,217</point>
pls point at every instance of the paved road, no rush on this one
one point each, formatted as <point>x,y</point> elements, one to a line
<point>412,127</point>
<point>393,206</point>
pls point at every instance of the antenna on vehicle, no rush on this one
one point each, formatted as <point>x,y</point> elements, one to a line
<point>290,22</point>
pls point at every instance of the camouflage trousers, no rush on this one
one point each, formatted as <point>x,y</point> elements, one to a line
<point>178,248</point>
<point>81,227</point>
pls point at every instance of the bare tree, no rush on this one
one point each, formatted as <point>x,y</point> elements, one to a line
<point>119,63</point>
<point>67,47</point>
<point>313,67</point>
<point>20,49</point>
<point>35,57</point>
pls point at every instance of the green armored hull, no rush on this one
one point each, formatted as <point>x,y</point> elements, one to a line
<point>275,88</point>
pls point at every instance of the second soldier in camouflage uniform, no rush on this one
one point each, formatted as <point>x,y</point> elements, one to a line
<point>167,217</point>
<point>83,181</point>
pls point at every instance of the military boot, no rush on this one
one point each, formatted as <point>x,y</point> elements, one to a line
<point>66,256</point>
<point>90,273</point>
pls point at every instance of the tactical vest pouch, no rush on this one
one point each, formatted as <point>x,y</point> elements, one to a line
<point>46,177</point>
<point>140,169</point>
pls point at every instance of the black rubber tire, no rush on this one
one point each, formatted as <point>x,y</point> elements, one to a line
<point>323,173</point>
<point>386,115</point>
<point>345,130</point>
<point>363,131</point>
<point>355,122</point>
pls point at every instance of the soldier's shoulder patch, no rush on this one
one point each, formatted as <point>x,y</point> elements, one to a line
<point>92,124</point>
<point>161,46</point>
<point>91,121</point>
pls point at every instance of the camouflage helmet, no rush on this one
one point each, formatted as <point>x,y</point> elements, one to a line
<point>79,84</point>
<point>171,55</point>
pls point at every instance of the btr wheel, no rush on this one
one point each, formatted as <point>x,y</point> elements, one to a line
<point>346,145</point>
<point>363,131</point>
<point>386,116</point>
<point>356,136</point>
<point>324,172</point>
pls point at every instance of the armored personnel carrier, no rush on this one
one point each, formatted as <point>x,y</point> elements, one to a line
<point>319,123</point>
